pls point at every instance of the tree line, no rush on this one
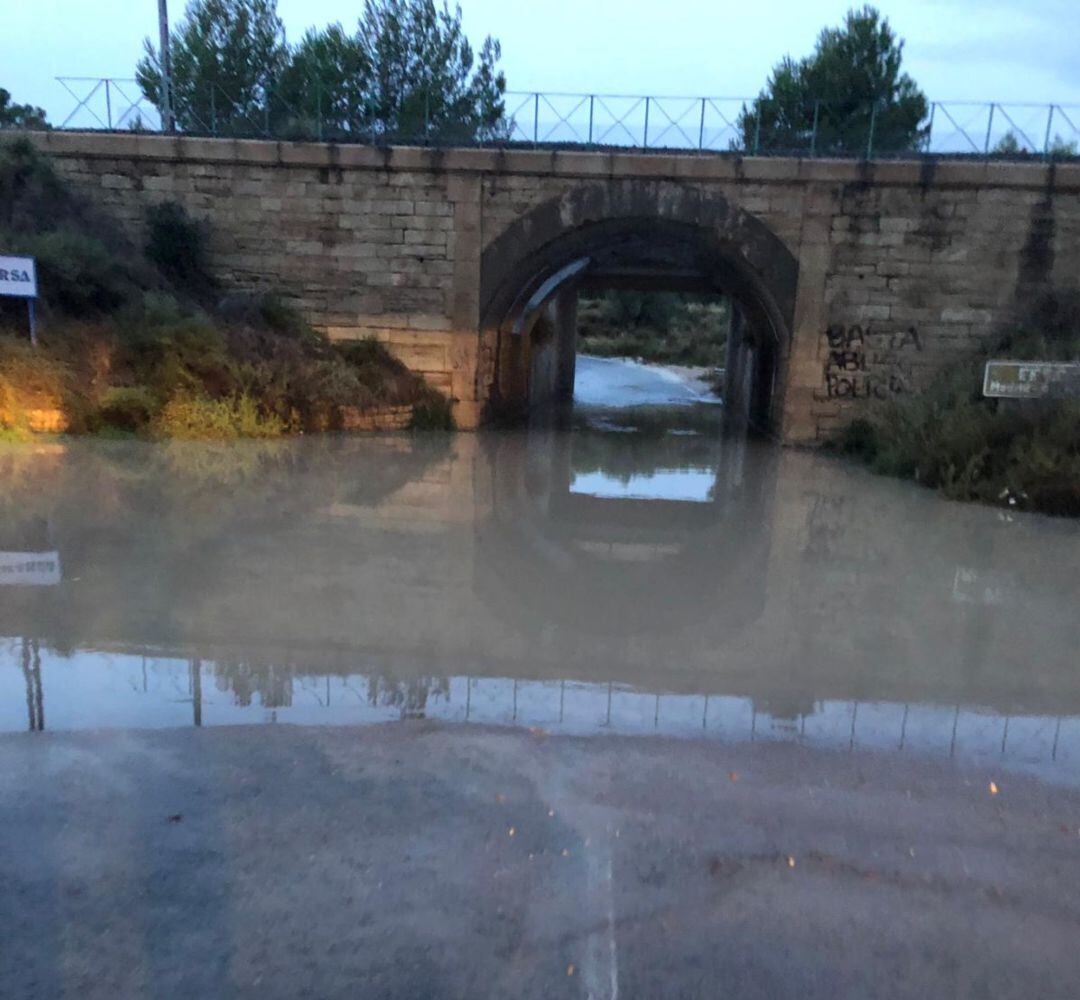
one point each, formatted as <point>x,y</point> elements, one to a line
<point>407,72</point>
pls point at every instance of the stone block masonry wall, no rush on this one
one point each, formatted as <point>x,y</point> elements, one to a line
<point>360,252</point>
<point>903,268</point>
<point>920,278</point>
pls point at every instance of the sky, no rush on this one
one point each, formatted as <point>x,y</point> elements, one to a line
<point>984,50</point>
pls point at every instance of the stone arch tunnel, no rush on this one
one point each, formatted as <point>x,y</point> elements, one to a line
<point>857,281</point>
<point>644,236</point>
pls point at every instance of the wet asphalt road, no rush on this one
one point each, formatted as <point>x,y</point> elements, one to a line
<point>622,383</point>
<point>421,861</point>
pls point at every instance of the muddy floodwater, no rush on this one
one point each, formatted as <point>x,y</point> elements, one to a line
<point>637,574</point>
<point>617,708</point>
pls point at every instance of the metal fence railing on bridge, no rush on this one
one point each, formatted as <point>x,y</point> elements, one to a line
<point>737,125</point>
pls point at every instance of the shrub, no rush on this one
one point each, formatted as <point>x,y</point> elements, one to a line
<point>32,197</point>
<point>386,379</point>
<point>859,438</point>
<point>265,311</point>
<point>280,316</point>
<point>188,354</point>
<point>432,411</point>
<point>196,417</point>
<point>176,244</point>
<point>29,380</point>
<point>77,274</point>
<point>130,408</point>
<point>1023,454</point>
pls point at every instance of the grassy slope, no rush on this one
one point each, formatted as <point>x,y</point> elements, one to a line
<point>141,340</point>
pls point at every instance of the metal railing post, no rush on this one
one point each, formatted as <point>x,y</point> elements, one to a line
<point>1049,126</point>
<point>266,115</point>
<point>813,134</point>
<point>427,117</point>
<point>701,128</point>
<point>108,104</point>
<point>536,119</point>
<point>213,110</point>
<point>870,138</point>
<point>757,133</point>
<point>318,110</point>
<point>168,94</point>
<point>592,103</point>
<point>989,129</point>
<point>646,136</point>
<point>930,127</point>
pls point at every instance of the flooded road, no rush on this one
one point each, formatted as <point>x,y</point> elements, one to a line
<point>600,580</point>
<point>666,710</point>
<point>620,383</point>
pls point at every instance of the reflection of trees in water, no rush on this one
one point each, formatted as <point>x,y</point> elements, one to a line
<point>411,695</point>
<point>786,708</point>
<point>623,456</point>
<point>405,464</point>
<point>272,682</point>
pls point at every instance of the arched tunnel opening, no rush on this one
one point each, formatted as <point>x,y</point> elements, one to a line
<point>535,321</point>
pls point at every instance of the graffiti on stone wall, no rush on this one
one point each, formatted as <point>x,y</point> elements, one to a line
<point>864,363</point>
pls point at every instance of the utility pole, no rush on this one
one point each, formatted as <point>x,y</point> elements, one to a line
<point>168,118</point>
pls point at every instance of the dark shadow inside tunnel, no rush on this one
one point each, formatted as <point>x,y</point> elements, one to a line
<point>537,305</point>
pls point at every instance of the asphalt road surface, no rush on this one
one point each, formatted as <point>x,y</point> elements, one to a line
<point>416,860</point>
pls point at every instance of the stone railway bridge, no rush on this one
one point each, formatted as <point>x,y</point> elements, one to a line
<point>855,281</point>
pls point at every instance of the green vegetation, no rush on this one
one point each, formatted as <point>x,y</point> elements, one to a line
<point>191,417</point>
<point>663,327</point>
<point>29,380</point>
<point>1010,145</point>
<point>431,412</point>
<point>227,55</point>
<point>20,115</point>
<point>1023,454</point>
<point>177,245</point>
<point>849,92</point>
<point>407,71</point>
<point>141,342</point>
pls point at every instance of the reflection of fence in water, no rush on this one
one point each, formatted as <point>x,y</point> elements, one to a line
<point>92,690</point>
<point>951,731</point>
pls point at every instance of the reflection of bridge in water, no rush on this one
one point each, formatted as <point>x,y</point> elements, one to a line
<point>96,690</point>
<point>787,583</point>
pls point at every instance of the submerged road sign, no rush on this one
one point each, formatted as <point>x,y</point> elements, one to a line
<point>30,569</point>
<point>1031,379</point>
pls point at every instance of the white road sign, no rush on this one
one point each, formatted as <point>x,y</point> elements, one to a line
<point>18,277</point>
<point>1031,379</point>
